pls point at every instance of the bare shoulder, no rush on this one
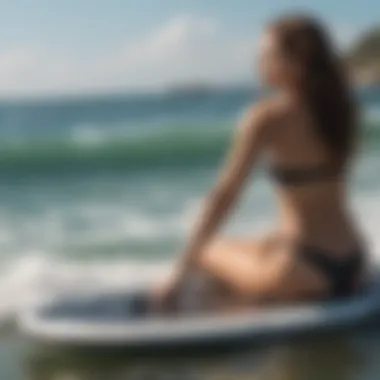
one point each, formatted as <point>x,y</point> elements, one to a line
<point>264,116</point>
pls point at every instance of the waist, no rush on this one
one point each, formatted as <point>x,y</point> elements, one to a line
<point>330,230</point>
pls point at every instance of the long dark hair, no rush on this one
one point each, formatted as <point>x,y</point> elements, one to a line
<point>323,84</point>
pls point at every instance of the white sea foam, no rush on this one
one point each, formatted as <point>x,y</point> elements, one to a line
<point>89,135</point>
<point>34,278</point>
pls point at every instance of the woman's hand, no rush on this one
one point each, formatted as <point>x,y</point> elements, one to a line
<point>165,296</point>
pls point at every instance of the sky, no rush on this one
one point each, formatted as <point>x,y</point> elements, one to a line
<point>84,46</point>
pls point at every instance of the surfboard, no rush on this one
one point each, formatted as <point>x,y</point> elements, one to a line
<point>122,319</point>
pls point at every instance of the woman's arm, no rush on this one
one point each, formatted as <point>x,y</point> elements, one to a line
<point>249,142</point>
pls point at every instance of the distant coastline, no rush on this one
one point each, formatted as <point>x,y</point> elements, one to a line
<point>196,88</point>
<point>363,59</point>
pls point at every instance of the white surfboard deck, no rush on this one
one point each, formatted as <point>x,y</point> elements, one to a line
<point>110,320</point>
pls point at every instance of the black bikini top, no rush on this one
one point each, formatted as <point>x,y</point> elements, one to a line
<point>297,177</point>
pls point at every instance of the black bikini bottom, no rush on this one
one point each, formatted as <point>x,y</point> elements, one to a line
<point>342,274</point>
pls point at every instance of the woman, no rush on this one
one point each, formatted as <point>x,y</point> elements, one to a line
<point>308,131</point>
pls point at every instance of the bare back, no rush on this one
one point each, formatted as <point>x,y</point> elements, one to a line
<point>316,212</point>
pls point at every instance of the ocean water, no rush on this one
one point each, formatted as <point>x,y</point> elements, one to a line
<point>100,192</point>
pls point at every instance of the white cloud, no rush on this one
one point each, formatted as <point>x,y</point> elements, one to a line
<point>186,48</point>
<point>345,35</point>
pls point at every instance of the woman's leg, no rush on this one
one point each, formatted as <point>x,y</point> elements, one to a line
<point>233,274</point>
<point>264,270</point>
<point>206,290</point>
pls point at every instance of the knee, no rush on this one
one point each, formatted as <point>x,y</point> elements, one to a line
<point>212,257</point>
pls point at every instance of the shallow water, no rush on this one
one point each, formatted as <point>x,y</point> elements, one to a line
<point>334,356</point>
